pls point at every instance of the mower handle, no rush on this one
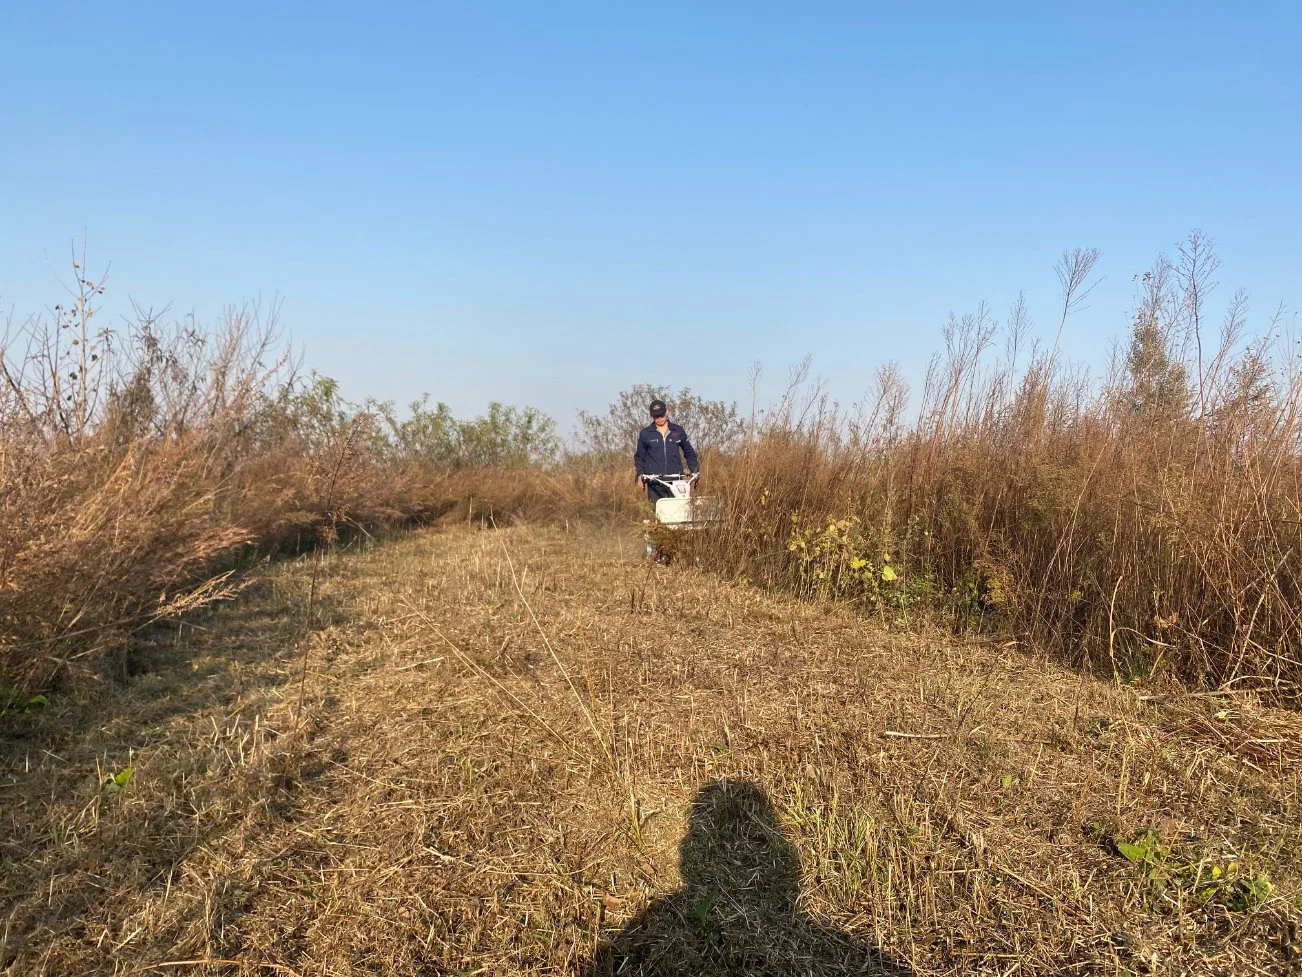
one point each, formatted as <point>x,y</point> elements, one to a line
<point>670,479</point>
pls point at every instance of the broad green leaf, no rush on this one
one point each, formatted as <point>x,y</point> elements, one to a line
<point>118,782</point>
<point>1135,854</point>
<point>888,574</point>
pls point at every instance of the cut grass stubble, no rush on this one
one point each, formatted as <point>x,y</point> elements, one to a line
<point>499,761</point>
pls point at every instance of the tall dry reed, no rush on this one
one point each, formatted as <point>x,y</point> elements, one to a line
<point>1146,521</point>
<point>138,463</point>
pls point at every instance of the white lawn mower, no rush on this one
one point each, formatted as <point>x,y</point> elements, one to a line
<point>681,511</point>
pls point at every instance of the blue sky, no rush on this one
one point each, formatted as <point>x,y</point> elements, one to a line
<point>545,203</point>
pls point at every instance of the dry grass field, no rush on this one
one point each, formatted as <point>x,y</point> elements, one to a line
<point>527,751</point>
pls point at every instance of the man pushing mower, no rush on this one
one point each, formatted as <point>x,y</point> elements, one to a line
<point>662,448</point>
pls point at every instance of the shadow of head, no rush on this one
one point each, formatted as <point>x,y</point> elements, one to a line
<point>734,845</point>
<point>738,911</point>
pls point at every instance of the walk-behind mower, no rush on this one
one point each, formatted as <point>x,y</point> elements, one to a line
<point>680,512</point>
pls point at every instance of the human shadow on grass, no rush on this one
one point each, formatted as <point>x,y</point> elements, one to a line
<point>738,911</point>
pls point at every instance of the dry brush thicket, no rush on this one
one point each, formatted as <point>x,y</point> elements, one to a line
<point>526,751</point>
<point>140,464</point>
<point>1147,522</point>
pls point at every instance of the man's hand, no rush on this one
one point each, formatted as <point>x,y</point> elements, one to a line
<point>640,483</point>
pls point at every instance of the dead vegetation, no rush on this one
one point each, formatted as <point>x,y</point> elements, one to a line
<point>1142,522</point>
<point>525,751</point>
<point>921,707</point>
<point>141,462</point>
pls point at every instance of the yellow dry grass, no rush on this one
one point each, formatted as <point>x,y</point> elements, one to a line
<point>527,751</point>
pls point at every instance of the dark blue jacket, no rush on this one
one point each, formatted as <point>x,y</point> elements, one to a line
<point>659,456</point>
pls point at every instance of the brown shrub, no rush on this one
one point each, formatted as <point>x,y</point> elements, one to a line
<point>137,466</point>
<point>1146,523</point>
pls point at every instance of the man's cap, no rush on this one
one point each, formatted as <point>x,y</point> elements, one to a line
<point>658,408</point>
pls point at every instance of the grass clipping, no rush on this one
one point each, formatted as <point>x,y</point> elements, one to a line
<point>528,752</point>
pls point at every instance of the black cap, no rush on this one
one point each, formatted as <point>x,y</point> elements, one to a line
<point>658,408</point>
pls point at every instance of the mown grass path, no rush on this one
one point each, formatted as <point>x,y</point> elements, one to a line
<point>526,751</point>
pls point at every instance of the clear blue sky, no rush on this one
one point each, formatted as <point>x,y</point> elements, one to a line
<point>543,203</point>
